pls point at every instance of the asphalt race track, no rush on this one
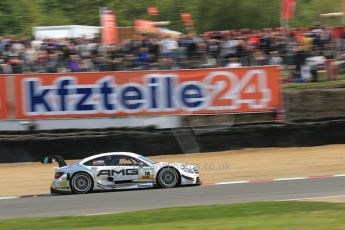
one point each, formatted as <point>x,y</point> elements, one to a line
<point>119,201</point>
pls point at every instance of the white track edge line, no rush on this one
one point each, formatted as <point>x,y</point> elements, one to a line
<point>290,178</point>
<point>312,198</point>
<point>277,179</point>
<point>233,182</point>
<point>339,175</point>
<point>8,197</point>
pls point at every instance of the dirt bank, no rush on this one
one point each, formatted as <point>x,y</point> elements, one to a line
<point>265,163</point>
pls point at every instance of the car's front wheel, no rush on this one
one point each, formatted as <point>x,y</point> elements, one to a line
<point>81,183</point>
<point>168,178</point>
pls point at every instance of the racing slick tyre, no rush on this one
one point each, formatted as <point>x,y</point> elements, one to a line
<point>168,178</point>
<point>81,183</point>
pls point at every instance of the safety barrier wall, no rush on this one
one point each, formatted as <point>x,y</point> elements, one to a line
<point>3,98</point>
<point>76,144</point>
<point>140,93</point>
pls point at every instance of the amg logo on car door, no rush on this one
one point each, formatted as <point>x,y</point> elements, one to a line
<point>128,172</point>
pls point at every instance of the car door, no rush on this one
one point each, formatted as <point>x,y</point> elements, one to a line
<point>125,169</point>
<point>132,170</point>
<point>101,168</point>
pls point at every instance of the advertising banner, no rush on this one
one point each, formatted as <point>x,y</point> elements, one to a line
<point>109,29</point>
<point>288,8</point>
<point>3,98</point>
<point>140,93</point>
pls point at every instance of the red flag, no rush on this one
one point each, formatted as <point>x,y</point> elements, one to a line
<point>152,11</point>
<point>288,8</point>
<point>109,29</point>
<point>187,19</point>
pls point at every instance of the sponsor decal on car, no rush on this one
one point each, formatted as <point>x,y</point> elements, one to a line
<point>146,177</point>
<point>112,172</point>
<point>63,188</point>
<point>148,169</point>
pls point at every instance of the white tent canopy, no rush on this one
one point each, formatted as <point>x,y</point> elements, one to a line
<point>168,31</point>
<point>68,31</point>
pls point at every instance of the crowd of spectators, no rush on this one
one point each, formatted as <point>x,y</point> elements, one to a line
<point>294,48</point>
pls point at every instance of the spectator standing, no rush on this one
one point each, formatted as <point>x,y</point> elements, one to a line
<point>233,63</point>
<point>259,58</point>
<point>213,48</point>
<point>168,47</point>
<point>331,68</point>
<point>30,58</point>
<point>275,59</point>
<point>143,57</point>
<point>314,62</point>
<point>5,68</point>
<point>229,48</point>
<point>73,63</point>
<point>52,64</point>
<point>300,58</point>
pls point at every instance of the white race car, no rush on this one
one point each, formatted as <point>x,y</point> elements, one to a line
<point>119,170</point>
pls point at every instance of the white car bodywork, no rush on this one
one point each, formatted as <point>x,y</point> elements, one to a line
<point>121,170</point>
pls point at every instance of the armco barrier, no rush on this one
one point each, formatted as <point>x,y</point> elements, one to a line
<point>75,144</point>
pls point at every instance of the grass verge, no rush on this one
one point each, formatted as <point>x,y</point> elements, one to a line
<point>315,85</point>
<point>322,83</point>
<point>263,215</point>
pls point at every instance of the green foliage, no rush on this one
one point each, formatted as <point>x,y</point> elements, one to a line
<point>18,17</point>
<point>308,11</point>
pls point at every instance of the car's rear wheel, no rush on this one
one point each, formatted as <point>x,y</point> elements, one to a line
<point>81,183</point>
<point>168,178</point>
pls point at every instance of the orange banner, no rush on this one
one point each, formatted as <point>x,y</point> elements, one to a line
<point>3,98</point>
<point>107,94</point>
<point>109,29</point>
<point>288,8</point>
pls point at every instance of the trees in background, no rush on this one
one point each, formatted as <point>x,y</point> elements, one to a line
<point>18,17</point>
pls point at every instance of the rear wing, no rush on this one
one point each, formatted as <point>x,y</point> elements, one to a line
<point>50,159</point>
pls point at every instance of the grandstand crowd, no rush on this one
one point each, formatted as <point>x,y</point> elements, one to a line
<point>295,48</point>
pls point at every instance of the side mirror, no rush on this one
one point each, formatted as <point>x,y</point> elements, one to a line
<point>141,164</point>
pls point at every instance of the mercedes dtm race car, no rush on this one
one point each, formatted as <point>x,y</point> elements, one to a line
<point>119,170</point>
